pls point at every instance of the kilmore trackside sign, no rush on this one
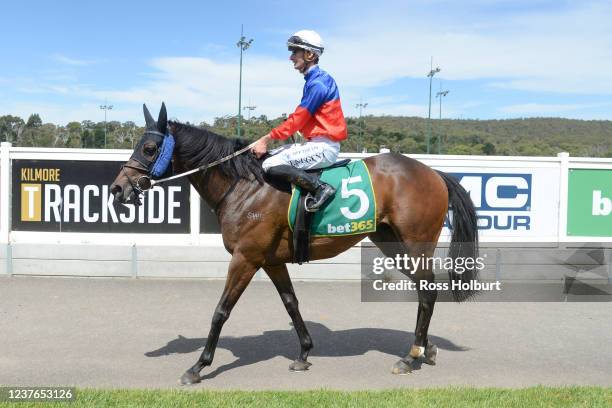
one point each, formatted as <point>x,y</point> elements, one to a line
<point>74,196</point>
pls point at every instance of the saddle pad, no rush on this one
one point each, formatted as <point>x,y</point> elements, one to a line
<point>352,210</point>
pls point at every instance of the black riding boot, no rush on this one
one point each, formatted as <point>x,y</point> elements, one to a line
<point>320,191</point>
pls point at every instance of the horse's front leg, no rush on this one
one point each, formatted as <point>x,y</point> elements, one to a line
<point>280,277</point>
<point>239,275</point>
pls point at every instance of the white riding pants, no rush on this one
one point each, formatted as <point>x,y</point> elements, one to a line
<point>316,153</point>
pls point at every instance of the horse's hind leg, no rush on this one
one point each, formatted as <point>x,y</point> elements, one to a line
<point>391,244</point>
<point>280,277</point>
<point>427,299</point>
<point>239,275</point>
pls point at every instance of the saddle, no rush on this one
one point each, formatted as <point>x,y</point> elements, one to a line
<point>301,229</point>
<point>285,186</point>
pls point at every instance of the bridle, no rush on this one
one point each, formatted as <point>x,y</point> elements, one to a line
<point>145,181</point>
<point>142,183</point>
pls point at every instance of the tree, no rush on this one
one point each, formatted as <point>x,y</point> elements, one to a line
<point>489,149</point>
<point>45,135</point>
<point>536,136</point>
<point>88,125</point>
<point>98,136</point>
<point>74,135</point>
<point>87,139</point>
<point>11,127</point>
<point>34,121</point>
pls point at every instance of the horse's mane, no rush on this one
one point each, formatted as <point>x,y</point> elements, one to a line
<point>197,146</point>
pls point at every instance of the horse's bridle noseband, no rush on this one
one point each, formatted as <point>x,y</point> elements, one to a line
<point>144,181</point>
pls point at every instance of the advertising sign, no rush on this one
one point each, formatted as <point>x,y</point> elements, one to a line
<point>513,202</point>
<point>589,203</point>
<point>74,196</point>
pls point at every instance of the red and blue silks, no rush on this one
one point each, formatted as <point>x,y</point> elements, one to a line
<point>319,113</point>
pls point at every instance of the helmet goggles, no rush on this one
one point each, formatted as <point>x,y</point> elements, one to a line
<point>297,42</point>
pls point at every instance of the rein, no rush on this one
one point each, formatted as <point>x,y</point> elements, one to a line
<point>145,181</point>
<point>204,167</point>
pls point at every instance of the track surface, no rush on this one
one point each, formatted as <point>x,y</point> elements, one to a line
<point>145,333</point>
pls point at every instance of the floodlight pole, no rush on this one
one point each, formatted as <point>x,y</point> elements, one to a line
<point>440,95</point>
<point>250,108</point>
<point>106,107</point>
<point>243,44</point>
<point>431,74</point>
<point>361,106</point>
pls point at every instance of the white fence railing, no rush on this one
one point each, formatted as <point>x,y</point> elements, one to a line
<point>518,198</point>
<point>540,201</point>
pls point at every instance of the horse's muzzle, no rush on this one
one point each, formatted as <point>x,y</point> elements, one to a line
<point>117,192</point>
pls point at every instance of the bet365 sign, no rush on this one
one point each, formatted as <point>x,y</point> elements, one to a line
<point>74,196</point>
<point>589,203</point>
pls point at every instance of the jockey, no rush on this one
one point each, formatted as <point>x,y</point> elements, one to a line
<point>318,117</point>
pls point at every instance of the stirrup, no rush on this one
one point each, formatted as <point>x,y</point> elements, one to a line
<point>312,205</point>
<point>310,199</point>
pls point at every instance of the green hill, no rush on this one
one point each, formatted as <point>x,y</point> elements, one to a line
<point>520,137</point>
<point>528,137</point>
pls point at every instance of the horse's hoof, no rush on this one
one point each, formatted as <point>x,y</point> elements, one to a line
<point>299,365</point>
<point>190,378</point>
<point>402,367</point>
<point>431,352</point>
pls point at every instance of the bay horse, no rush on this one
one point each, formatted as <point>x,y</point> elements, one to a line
<point>412,201</point>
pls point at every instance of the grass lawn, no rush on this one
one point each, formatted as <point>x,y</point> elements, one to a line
<point>434,397</point>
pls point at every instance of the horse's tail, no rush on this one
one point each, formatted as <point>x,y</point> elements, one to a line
<point>464,241</point>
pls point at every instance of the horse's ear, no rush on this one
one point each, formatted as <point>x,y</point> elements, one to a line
<point>149,121</point>
<point>162,121</point>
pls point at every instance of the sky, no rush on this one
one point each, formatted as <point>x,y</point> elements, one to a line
<point>498,59</point>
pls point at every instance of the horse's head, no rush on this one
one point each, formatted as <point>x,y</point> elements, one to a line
<point>150,159</point>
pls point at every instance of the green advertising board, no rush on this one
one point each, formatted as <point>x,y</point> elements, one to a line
<point>589,203</point>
